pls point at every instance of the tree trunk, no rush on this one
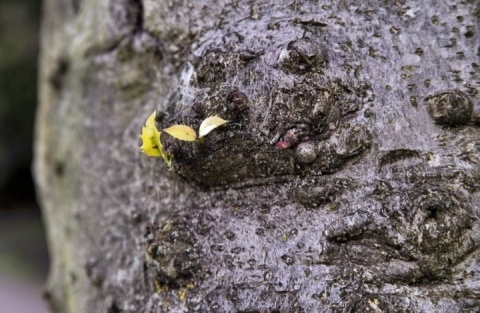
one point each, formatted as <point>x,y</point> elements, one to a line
<point>347,180</point>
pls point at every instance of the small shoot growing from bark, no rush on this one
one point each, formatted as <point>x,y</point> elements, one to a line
<point>186,133</point>
<point>152,146</point>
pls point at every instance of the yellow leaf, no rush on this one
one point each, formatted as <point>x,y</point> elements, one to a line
<point>151,138</point>
<point>210,124</point>
<point>151,120</point>
<point>181,132</point>
<point>149,146</point>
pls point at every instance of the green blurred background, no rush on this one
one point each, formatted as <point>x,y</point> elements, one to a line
<point>23,252</point>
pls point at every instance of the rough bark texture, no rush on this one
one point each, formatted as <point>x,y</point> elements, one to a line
<point>348,179</point>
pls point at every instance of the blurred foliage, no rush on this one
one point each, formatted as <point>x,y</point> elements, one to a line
<point>22,243</point>
<point>19,29</point>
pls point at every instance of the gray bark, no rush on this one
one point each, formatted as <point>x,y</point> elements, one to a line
<point>347,180</point>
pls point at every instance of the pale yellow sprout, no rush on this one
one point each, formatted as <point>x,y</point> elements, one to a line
<point>210,124</point>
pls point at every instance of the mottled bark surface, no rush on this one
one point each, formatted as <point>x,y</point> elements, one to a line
<point>348,179</point>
